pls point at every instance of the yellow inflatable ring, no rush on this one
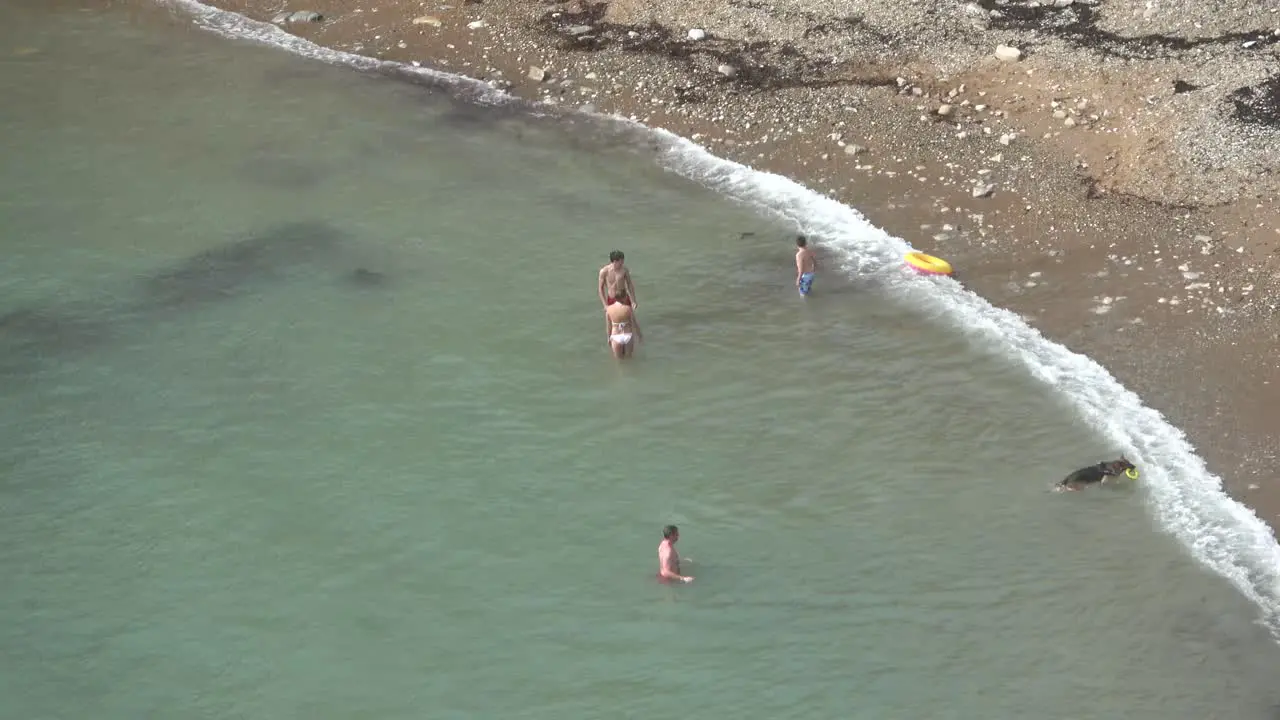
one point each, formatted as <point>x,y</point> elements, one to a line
<point>928,264</point>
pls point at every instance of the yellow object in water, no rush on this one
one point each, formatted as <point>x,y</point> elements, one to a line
<point>927,264</point>
<point>1131,473</point>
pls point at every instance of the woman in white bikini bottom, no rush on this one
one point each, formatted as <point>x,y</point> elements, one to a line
<point>621,327</point>
<point>621,335</point>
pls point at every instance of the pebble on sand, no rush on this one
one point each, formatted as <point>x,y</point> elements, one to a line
<point>301,16</point>
<point>1008,53</point>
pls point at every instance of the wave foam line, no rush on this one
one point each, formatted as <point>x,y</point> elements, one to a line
<point>236,26</point>
<point>1186,499</point>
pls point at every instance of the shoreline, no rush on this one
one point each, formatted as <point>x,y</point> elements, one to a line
<point>1194,288</point>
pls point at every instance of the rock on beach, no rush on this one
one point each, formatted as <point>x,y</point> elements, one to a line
<point>301,16</point>
<point>1008,53</point>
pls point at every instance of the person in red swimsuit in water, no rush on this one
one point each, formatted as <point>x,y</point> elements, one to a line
<point>615,282</point>
<point>668,558</point>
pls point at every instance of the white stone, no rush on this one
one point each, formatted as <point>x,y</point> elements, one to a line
<point>305,16</point>
<point>697,34</point>
<point>1008,54</point>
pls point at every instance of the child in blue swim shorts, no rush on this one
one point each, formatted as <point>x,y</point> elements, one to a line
<point>806,266</point>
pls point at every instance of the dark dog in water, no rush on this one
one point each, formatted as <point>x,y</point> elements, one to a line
<point>1094,474</point>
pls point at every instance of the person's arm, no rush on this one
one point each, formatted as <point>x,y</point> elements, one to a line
<point>636,324</point>
<point>799,272</point>
<point>600,289</point>
<point>608,329</point>
<point>631,292</point>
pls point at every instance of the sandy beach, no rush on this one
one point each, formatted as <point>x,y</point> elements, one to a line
<point>1106,169</point>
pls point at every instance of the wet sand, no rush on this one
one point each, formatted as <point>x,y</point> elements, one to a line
<point>1063,200</point>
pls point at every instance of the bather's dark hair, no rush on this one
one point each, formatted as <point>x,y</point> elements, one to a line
<point>801,241</point>
<point>669,532</point>
<point>616,255</point>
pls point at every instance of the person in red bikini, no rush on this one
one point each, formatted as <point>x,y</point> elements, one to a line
<point>668,558</point>
<point>615,282</point>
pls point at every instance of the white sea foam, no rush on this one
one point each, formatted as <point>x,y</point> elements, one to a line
<point>1186,499</point>
<point>234,25</point>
